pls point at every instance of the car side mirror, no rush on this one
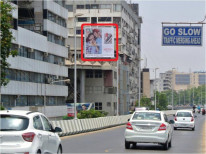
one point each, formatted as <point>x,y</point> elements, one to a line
<point>171,122</point>
<point>57,129</point>
<point>128,119</point>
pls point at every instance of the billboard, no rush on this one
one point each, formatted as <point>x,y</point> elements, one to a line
<point>98,42</point>
<point>79,107</point>
<point>182,35</point>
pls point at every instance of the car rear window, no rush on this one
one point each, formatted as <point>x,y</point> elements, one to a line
<point>184,114</point>
<point>146,116</point>
<point>13,123</point>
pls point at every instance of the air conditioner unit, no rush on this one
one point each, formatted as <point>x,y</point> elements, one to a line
<point>49,80</point>
<point>46,54</point>
<point>31,50</point>
<point>61,63</point>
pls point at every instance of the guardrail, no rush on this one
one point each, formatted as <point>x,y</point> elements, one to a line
<point>70,127</point>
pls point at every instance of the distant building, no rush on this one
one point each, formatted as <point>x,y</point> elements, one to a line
<point>146,83</point>
<point>181,80</point>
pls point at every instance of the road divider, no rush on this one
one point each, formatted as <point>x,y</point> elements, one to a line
<point>75,126</point>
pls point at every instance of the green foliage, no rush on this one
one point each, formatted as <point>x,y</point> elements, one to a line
<point>6,38</point>
<point>162,101</point>
<point>91,114</point>
<point>67,118</point>
<point>144,102</point>
<point>2,108</point>
<point>186,96</point>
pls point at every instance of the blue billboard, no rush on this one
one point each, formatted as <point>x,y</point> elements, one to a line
<point>182,35</point>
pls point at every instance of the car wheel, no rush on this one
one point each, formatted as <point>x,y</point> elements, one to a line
<point>39,152</point>
<point>166,145</point>
<point>175,128</point>
<point>170,143</point>
<point>134,145</point>
<point>59,151</point>
<point>193,128</point>
<point>127,145</point>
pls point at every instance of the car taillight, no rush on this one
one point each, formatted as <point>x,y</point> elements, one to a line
<point>129,126</point>
<point>162,127</point>
<point>28,136</point>
<point>175,118</point>
<point>192,119</point>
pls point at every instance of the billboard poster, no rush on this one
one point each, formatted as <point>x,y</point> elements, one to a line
<point>182,35</point>
<point>99,42</point>
<point>79,107</point>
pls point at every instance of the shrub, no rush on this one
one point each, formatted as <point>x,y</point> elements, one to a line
<point>91,114</point>
<point>2,108</point>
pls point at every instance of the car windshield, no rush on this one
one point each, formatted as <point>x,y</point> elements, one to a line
<point>13,123</point>
<point>146,116</point>
<point>184,114</point>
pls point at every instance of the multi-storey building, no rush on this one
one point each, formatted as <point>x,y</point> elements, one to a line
<point>145,80</point>
<point>181,81</point>
<point>40,32</point>
<point>97,81</point>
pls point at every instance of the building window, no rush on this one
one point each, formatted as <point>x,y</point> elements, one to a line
<point>95,6</point>
<point>89,74</point>
<point>98,105</point>
<point>182,79</point>
<point>104,19</point>
<point>117,8</point>
<point>78,31</point>
<point>80,6</point>
<point>22,101</point>
<point>69,8</point>
<point>51,101</point>
<point>105,6</point>
<point>83,19</point>
<point>98,74</point>
<point>98,89</point>
<point>88,6</point>
<point>88,90</point>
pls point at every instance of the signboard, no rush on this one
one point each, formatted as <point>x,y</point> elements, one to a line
<point>98,42</point>
<point>79,107</point>
<point>182,35</point>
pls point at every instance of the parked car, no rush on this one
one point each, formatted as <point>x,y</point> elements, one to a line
<point>149,127</point>
<point>184,119</point>
<point>27,132</point>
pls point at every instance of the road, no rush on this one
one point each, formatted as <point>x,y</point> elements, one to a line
<point>112,141</point>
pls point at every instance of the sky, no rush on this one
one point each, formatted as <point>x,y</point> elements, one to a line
<point>184,59</point>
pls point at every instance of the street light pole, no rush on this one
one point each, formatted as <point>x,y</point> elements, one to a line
<point>172,90</point>
<point>155,87</point>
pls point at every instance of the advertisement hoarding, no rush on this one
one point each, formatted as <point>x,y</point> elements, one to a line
<point>98,42</point>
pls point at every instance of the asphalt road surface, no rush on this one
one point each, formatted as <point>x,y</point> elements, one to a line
<point>111,140</point>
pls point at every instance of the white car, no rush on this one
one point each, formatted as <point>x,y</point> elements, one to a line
<point>27,132</point>
<point>149,127</point>
<point>184,119</point>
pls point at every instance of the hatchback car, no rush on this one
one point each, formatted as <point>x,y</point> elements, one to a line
<point>184,119</point>
<point>149,127</point>
<point>27,132</point>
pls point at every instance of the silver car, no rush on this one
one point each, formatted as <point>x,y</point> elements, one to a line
<point>184,119</point>
<point>28,132</point>
<point>149,127</point>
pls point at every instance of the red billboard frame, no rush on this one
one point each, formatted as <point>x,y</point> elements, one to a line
<point>82,47</point>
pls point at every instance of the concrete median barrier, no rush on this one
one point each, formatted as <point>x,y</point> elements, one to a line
<point>70,127</point>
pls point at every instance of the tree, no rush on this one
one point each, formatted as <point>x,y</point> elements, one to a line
<point>162,101</point>
<point>145,102</point>
<point>6,40</point>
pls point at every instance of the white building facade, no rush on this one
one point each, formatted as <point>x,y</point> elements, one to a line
<point>101,77</point>
<point>39,29</point>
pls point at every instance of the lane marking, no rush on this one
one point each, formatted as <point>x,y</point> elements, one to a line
<point>204,138</point>
<point>92,132</point>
